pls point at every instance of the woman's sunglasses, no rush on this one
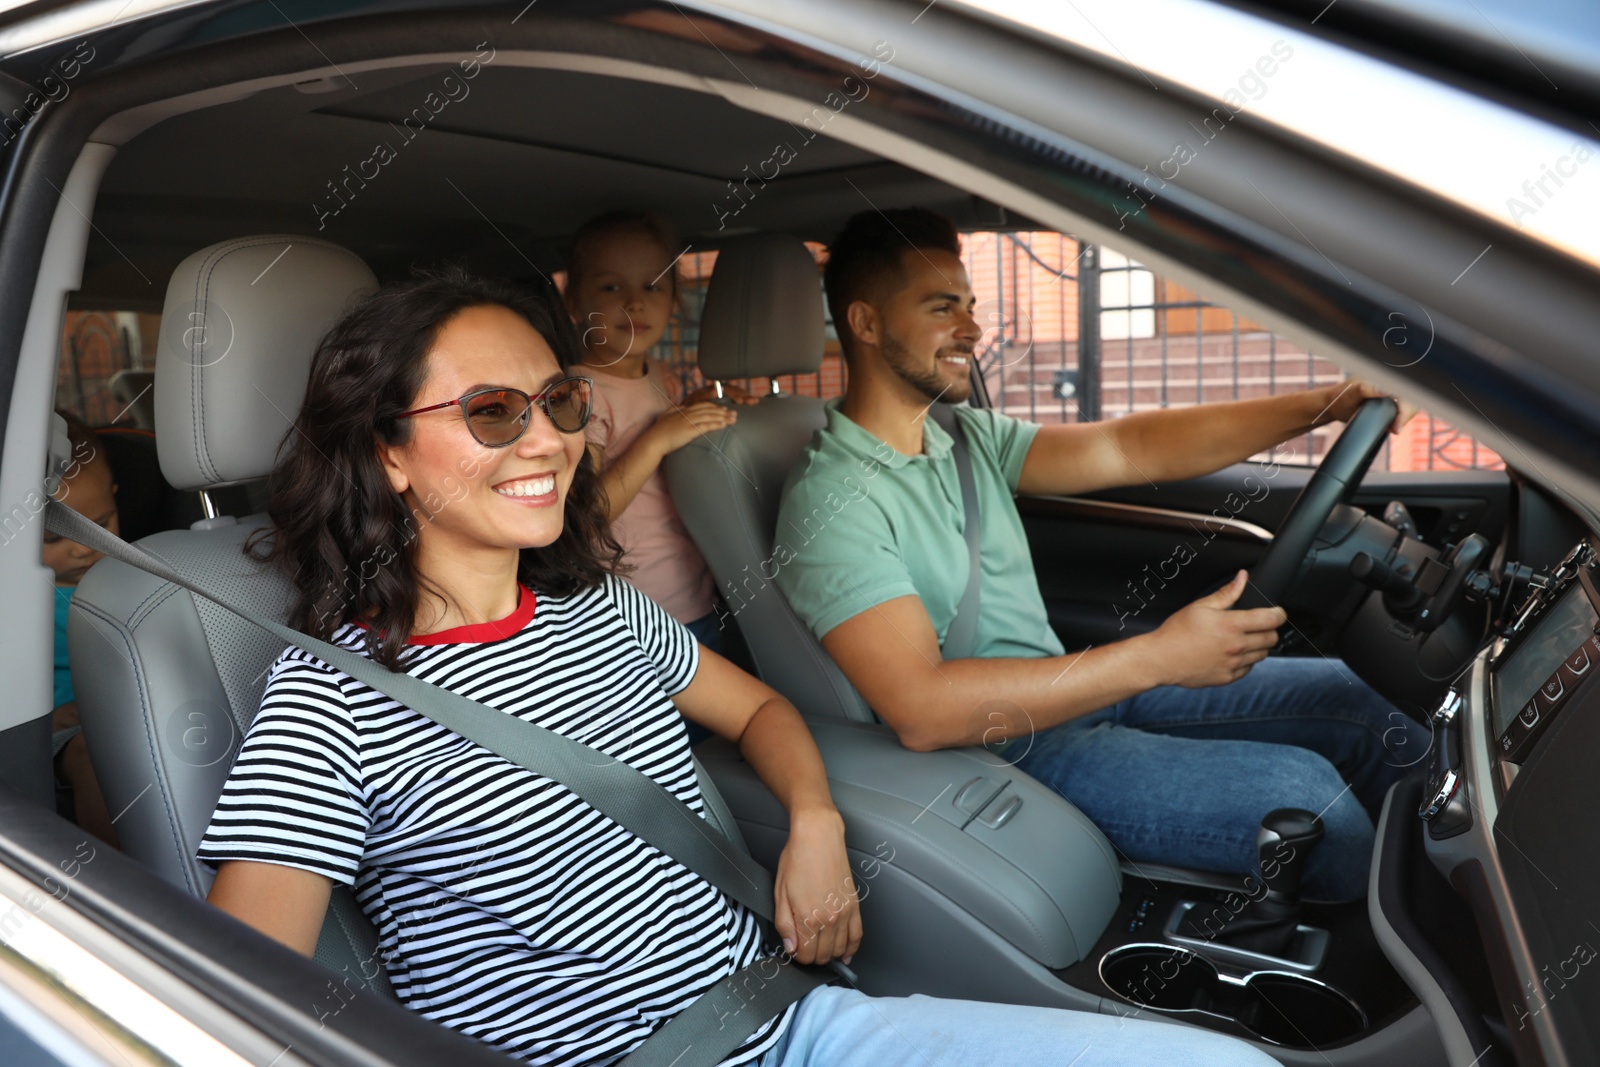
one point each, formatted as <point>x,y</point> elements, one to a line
<point>499,417</point>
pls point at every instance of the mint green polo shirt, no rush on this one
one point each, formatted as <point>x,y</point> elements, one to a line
<point>861,524</point>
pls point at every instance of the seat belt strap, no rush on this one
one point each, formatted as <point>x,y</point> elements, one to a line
<point>627,796</point>
<point>961,638</point>
<point>727,1013</point>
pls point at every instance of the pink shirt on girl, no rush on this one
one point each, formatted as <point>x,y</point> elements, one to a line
<point>667,567</point>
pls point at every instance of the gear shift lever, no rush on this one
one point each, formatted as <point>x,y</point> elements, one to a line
<point>1283,848</point>
<point>1267,924</point>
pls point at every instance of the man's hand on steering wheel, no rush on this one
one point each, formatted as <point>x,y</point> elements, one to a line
<point>1343,399</point>
<point>1207,644</point>
<point>1369,416</point>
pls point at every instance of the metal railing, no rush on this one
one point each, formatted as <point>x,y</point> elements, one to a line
<point>1078,332</point>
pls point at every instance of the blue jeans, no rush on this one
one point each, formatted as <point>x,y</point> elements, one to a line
<point>1183,776</point>
<point>836,1027</point>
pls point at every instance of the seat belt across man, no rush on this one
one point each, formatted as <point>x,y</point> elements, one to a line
<point>961,638</point>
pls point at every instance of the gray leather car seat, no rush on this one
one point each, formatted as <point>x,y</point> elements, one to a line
<point>996,904</point>
<point>763,317</point>
<point>168,683</point>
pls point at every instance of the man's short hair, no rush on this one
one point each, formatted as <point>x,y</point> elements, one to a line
<point>864,261</point>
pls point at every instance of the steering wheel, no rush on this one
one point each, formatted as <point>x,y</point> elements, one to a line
<point>1336,479</point>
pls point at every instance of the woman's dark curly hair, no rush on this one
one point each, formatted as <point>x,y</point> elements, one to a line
<point>343,534</point>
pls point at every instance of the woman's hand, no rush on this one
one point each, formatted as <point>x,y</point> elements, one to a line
<point>814,897</point>
<point>817,913</point>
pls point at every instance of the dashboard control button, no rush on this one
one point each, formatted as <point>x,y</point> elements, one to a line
<point>1578,662</point>
<point>1572,678</point>
<point>1530,714</point>
<point>1552,690</point>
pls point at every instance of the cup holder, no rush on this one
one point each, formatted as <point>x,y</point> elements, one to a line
<point>1282,1008</point>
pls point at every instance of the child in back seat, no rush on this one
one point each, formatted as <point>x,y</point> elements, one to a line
<point>87,487</point>
<point>621,284</point>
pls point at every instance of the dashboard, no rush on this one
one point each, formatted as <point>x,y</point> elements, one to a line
<point>1512,811</point>
<point>1548,656</point>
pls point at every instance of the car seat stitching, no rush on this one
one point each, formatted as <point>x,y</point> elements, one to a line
<point>845,693</point>
<point>164,587</point>
<point>344,928</point>
<point>208,469</point>
<point>211,471</point>
<point>353,941</point>
<point>197,376</point>
<point>140,677</point>
<point>208,268</point>
<point>205,636</point>
<point>154,601</point>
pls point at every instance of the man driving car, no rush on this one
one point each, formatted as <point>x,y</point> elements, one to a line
<point>1175,742</point>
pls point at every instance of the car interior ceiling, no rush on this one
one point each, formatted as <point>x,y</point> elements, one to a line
<point>493,181</point>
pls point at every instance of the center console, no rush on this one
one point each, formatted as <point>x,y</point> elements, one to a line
<point>1508,808</point>
<point>1545,656</point>
<point>1324,985</point>
<point>1548,656</point>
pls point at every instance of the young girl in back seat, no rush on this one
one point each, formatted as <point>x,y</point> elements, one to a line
<point>621,284</point>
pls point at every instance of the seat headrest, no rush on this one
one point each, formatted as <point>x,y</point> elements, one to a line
<point>763,310</point>
<point>240,325</point>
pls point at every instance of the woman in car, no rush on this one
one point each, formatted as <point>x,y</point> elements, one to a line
<point>438,512</point>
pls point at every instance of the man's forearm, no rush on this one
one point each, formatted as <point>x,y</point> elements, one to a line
<point>982,701</point>
<point>1178,443</point>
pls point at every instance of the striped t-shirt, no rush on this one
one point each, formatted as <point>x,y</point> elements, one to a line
<point>506,907</point>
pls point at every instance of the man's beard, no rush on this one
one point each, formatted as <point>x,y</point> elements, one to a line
<point>927,382</point>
